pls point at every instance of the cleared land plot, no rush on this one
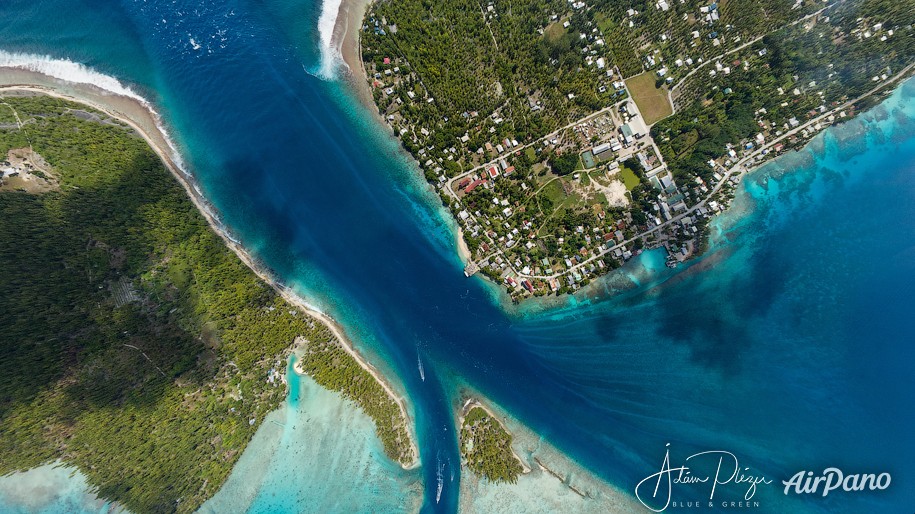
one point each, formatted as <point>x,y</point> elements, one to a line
<point>554,31</point>
<point>629,178</point>
<point>652,102</point>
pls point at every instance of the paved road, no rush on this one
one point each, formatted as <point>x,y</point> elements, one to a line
<point>670,93</point>
<point>739,169</point>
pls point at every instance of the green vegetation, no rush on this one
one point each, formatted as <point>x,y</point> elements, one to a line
<point>487,447</point>
<point>332,367</point>
<point>471,65</point>
<point>497,101</point>
<point>629,178</point>
<point>651,100</point>
<point>490,70</point>
<point>564,164</point>
<point>7,115</point>
<point>644,37</point>
<point>134,343</point>
<point>787,78</point>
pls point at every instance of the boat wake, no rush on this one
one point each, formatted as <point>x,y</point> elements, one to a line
<point>419,362</point>
<point>440,477</point>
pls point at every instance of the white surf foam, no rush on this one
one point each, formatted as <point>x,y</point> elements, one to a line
<point>77,73</point>
<point>65,69</point>
<point>331,55</point>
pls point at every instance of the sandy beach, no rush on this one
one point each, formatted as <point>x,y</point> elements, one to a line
<point>145,121</point>
<point>462,248</point>
<point>473,402</point>
<point>347,36</point>
<point>338,333</point>
<point>552,482</point>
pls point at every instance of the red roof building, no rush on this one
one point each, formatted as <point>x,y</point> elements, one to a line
<point>473,185</point>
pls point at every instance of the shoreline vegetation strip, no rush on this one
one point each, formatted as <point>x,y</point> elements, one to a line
<point>161,348</point>
<point>548,88</point>
<point>486,445</point>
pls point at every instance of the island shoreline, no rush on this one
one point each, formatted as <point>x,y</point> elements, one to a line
<point>350,46</point>
<point>348,35</point>
<point>146,122</point>
<point>538,457</point>
<point>473,402</point>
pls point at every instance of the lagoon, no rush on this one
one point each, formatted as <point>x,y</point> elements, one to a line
<point>788,344</point>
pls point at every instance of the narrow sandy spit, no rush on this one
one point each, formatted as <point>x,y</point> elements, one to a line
<point>347,36</point>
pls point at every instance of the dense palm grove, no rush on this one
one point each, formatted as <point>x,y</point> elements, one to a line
<point>474,64</point>
<point>329,364</point>
<point>822,64</point>
<point>500,102</point>
<point>133,343</point>
<point>487,447</point>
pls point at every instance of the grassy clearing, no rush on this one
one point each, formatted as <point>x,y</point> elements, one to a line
<point>652,102</point>
<point>603,22</point>
<point>629,178</point>
<point>554,31</point>
<point>554,193</point>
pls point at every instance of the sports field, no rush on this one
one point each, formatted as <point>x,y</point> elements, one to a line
<point>652,102</point>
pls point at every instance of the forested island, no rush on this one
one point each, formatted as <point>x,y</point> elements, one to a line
<point>568,137</point>
<point>486,446</point>
<point>133,343</point>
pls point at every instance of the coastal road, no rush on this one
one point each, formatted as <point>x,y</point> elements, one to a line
<point>740,169</point>
<point>537,141</point>
<point>520,148</point>
<point>670,93</point>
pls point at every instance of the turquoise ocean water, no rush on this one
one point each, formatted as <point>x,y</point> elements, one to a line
<point>789,344</point>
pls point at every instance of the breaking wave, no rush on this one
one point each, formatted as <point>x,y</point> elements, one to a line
<point>331,56</point>
<point>65,69</point>
<point>77,73</point>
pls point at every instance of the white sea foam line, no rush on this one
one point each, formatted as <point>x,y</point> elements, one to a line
<point>77,73</point>
<point>330,55</point>
<point>291,291</point>
<point>69,71</point>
